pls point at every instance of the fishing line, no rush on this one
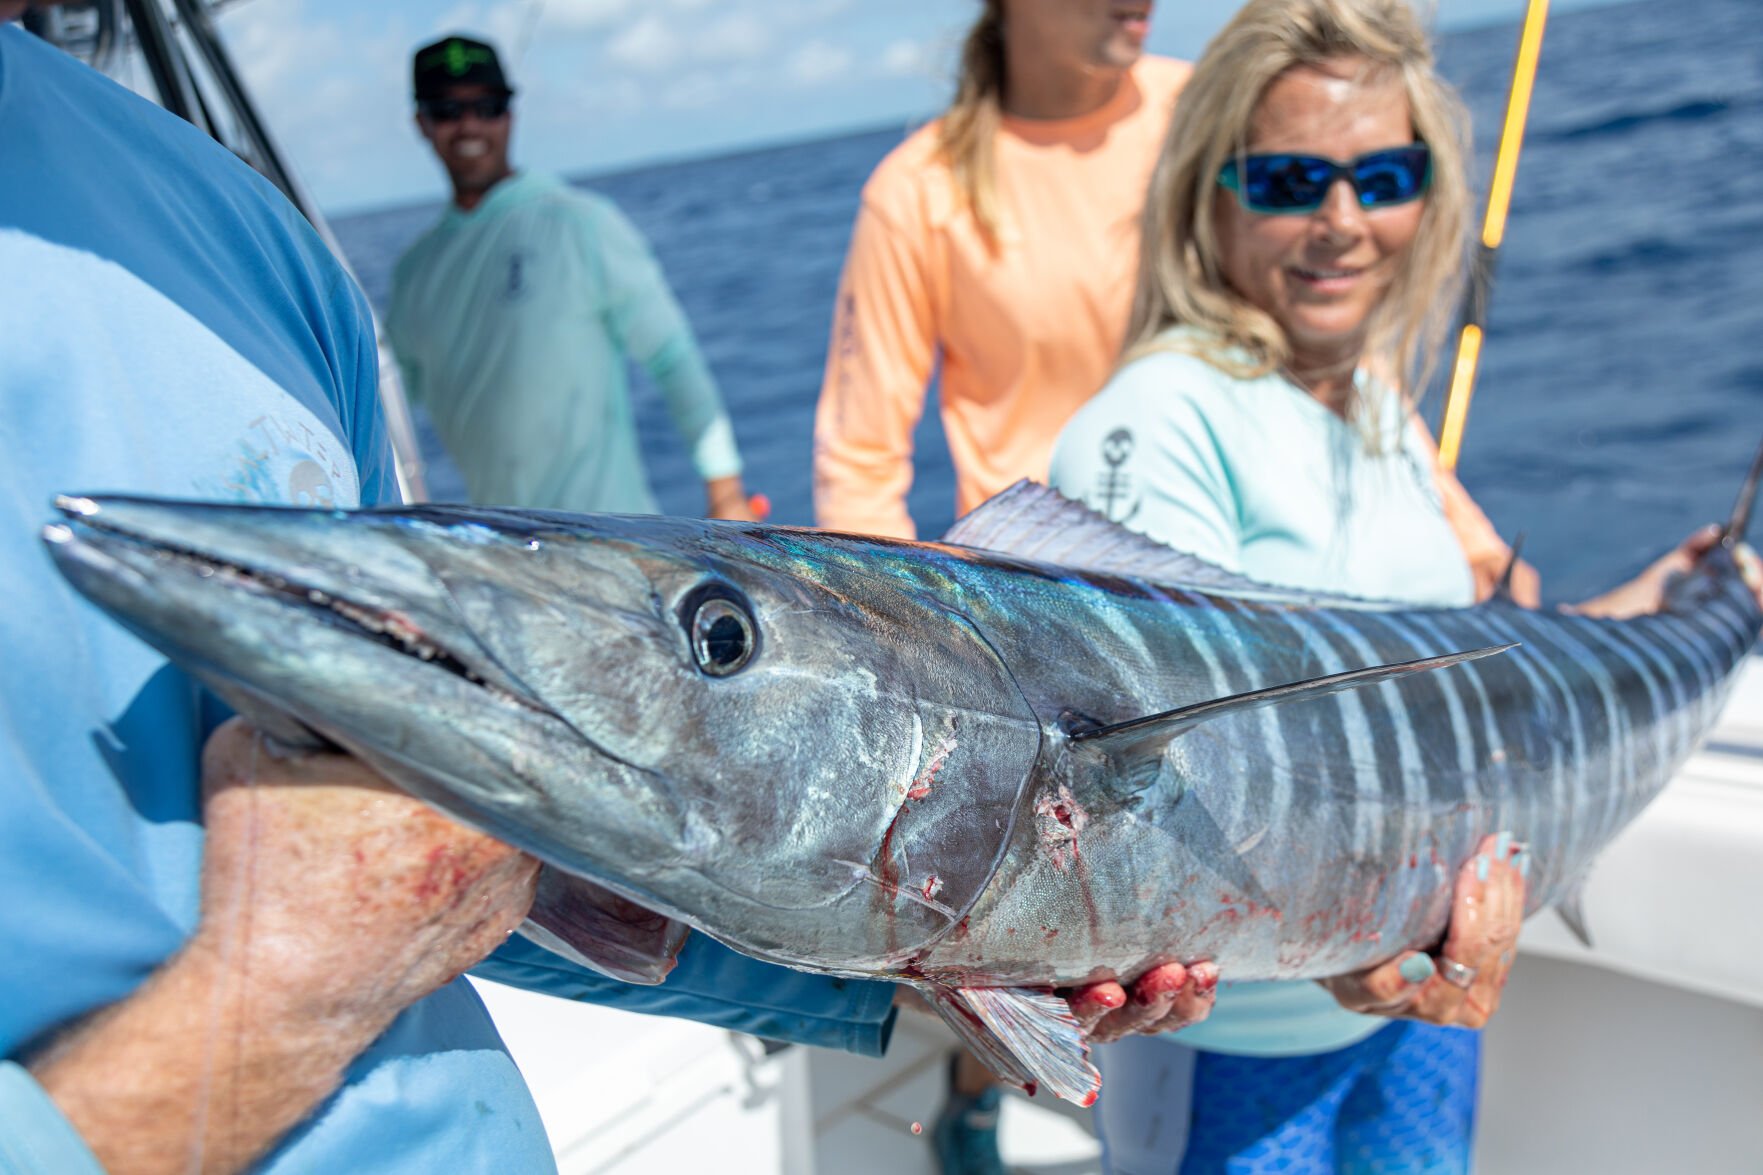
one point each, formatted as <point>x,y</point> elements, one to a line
<point>237,933</point>
<point>535,12</point>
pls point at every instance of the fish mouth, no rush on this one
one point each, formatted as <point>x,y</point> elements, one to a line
<point>88,536</point>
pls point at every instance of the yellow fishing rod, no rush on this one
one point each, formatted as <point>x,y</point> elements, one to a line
<point>1493,230</point>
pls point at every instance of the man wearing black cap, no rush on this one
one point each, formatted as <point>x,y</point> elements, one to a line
<point>516,316</point>
<point>462,104</point>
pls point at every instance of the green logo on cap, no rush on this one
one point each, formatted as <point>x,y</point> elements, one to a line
<point>456,57</point>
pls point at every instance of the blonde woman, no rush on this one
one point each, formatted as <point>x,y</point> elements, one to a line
<point>998,244</point>
<point>1303,238</point>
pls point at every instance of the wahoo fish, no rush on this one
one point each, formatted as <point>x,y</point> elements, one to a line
<point>1043,752</point>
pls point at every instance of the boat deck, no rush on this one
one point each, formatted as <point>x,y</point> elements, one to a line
<point>1644,1055</point>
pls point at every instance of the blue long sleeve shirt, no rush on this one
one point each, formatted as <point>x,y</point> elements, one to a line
<point>170,325</point>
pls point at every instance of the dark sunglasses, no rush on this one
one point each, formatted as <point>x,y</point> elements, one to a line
<point>1289,185</point>
<point>454,109</point>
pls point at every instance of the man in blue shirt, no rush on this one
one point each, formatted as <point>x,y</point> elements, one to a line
<point>264,981</point>
<point>266,978</point>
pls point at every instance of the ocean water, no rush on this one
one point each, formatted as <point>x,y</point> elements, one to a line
<point>1621,391</point>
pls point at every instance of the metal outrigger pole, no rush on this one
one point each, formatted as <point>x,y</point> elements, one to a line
<point>1493,229</point>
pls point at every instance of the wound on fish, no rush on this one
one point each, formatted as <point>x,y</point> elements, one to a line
<point>921,785</point>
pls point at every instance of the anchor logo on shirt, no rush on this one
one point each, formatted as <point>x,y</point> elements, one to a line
<point>1114,484</point>
<point>516,285</point>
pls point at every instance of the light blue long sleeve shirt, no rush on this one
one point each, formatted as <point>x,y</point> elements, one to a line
<point>514,324</point>
<point>170,325</point>
<point>1260,478</point>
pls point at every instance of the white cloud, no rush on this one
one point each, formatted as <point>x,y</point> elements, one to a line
<point>577,16</point>
<point>907,59</point>
<point>694,91</point>
<point>736,37</point>
<point>332,77</point>
<point>649,44</point>
<point>506,24</point>
<point>818,61</point>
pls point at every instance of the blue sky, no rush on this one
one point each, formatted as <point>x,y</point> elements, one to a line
<point>606,84</point>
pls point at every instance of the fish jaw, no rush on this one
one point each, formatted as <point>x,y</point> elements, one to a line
<point>357,646</point>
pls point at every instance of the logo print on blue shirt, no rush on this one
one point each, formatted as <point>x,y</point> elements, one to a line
<point>516,287</point>
<point>1114,486</point>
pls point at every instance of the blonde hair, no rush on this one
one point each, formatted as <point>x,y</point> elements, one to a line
<point>1181,281</point>
<point>968,133</point>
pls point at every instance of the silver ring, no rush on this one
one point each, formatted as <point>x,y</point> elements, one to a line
<point>1456,974</point>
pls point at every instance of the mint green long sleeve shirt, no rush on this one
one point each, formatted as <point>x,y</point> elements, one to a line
<point>514,325</point>
<point>1260,478</point>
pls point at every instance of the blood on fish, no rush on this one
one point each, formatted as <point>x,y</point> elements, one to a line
<point>921,786</point>
<point>918,1128</point>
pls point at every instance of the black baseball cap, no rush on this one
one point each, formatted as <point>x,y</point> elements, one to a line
<point>456,61</point>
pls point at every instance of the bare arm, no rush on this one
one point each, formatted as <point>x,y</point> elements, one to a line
<point>1487,552</point>
<point>330,902</point>
<point>1645,593</point>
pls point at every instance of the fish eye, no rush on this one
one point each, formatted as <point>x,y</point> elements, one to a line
<point>723,637</point>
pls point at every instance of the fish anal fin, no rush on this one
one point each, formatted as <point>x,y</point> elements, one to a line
<point>1130,745</point>
<point>1571,909</point>
<point>1026,1037</point>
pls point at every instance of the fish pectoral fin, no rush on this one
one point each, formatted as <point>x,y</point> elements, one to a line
<point>1137,743</point>
<point>595,928</point>
<point>1026,1037</point>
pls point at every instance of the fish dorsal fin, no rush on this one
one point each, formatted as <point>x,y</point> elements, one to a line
<point>1036,522</point>
<point>1135,747</point>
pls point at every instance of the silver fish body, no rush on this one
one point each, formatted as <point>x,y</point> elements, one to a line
<point>922,761</point>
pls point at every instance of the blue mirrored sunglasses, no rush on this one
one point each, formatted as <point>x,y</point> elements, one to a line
<point>1292,185</point>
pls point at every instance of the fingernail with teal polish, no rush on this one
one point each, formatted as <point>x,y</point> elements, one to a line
<point>1417,968</point>
<point>1481,868</point>
<point>1522,863</point>
<point>1502,845</point>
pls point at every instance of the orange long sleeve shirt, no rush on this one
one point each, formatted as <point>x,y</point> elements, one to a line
<point>1025,334</point>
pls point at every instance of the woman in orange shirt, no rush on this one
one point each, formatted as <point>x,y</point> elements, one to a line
<point>1001,241</point>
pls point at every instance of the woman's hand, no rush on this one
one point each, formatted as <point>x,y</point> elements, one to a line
<point>1645,593</point>
<point>1460,983</point>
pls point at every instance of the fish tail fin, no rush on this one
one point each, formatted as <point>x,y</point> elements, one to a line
<point>1733,533</point>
